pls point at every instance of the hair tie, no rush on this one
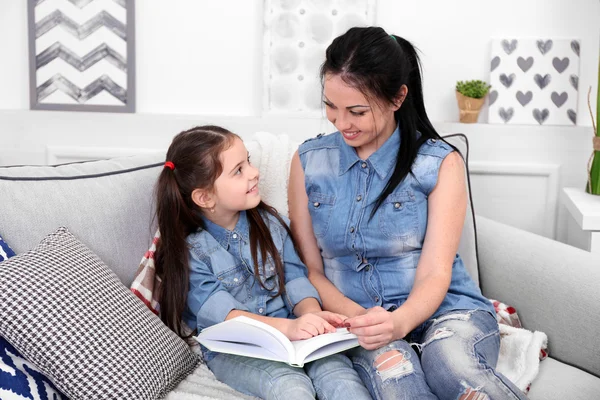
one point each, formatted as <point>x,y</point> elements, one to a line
<point>170,165</point>
<point>393,37</point>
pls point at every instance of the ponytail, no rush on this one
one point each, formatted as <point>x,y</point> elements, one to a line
<point>415,127</point>
<point>194,164</point>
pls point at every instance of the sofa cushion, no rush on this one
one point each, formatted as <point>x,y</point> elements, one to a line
<point>557,380</point>
<point>5,251</point>
<point>65,311</point>
<point>20,379</point>
<point>108,204</point>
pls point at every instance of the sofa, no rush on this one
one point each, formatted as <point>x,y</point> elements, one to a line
<point>107,205</point>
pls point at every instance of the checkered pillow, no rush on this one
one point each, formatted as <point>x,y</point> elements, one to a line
<point>65,311</point>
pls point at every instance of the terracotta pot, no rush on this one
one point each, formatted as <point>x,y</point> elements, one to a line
<point>469,108</point>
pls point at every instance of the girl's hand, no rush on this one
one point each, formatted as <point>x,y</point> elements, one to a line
<point>307,326</point>
<point>375,329</point>
<point>336,320</point>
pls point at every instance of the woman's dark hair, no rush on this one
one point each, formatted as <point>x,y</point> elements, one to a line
<point>378,64</point>
<point>195,153</point>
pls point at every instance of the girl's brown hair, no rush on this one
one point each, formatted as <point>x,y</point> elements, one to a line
<point>195,154</point>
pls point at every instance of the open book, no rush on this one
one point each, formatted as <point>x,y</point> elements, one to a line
<point>245,336</point>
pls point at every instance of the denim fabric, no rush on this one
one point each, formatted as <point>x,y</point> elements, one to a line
<point>222,275</point>
<point>459,352</point>
<point>329,378</point>
<point>373,260</point>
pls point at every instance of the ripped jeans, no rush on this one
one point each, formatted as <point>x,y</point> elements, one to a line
<point>459,351</point>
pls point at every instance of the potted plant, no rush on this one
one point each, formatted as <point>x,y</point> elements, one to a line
<point>470,96</point>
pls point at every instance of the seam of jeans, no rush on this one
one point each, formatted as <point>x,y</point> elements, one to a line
<point>488,369</point>
<point>375,389</point>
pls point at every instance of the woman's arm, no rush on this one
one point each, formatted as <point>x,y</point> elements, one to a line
<point>302,230</point>
<point>446,210</point>
<point>446,213</point>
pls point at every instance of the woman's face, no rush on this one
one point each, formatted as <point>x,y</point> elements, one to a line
<point>364,125</point>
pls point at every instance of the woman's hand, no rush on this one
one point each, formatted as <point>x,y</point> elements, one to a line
<point>307,326</point>
<point>376,328</point>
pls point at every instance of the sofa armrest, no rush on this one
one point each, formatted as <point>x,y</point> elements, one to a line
<point>554,287</point>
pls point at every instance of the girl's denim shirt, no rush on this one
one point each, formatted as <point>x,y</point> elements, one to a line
<point>222,275</point>
<point>373,261</point>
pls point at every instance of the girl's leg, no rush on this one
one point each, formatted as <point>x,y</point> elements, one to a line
<point>459,352</point>
<point>262,378</point>
<point>391,372</point>
<point>334,378</point>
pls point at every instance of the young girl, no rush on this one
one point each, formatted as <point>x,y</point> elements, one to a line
<point>225,253</point>
<point>386,254</point>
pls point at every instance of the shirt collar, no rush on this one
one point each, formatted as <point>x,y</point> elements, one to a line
<point>224,236</point>
<point>382,160</point>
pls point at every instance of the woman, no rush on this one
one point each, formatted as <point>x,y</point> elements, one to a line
<point>377,209</point>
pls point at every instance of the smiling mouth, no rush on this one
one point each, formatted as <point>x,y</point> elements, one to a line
<point>350,134</point>
<point>253,189</point>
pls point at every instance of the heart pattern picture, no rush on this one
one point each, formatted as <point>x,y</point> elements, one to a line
<point>535,81</point>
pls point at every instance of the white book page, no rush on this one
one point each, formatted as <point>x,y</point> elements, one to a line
<point>242,349</point>
<point>240,330</point>
<point>304,348</point>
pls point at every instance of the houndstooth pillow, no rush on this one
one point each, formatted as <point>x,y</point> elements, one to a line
<point>69,314</point>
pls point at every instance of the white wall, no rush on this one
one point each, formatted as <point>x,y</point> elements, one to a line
<point>454,38</point>
<point>200,61</point>
<point>205,56</point>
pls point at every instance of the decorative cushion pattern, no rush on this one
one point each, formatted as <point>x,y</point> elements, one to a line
<point>5,251</point>
<point>19,379</point>
<point>67,312</point>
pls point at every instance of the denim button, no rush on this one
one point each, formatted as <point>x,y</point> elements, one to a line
<point>433,140</point>
<point>235,235</point>
<point>397,205</point>
<point>316,204</point>
<point>260,310</point>
<point>358,198</point>
<point>351,229</point>
<point>363,165</point>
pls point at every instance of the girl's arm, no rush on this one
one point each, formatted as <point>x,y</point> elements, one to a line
<point>301,226</point>
<point>304,327</point>
<point>446,213</point>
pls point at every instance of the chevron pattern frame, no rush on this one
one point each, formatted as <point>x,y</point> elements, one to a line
<point>82,55</point>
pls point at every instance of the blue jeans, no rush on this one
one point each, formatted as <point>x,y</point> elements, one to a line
<point>329,378</point>
<point>459,351</point>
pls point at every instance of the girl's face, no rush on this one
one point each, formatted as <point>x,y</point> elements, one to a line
<point>236,189</point>
<point>363,125</point>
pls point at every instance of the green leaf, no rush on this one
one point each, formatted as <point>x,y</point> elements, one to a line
<point>595,175</point>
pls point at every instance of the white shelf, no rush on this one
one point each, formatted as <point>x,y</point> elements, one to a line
<point>583,207</point>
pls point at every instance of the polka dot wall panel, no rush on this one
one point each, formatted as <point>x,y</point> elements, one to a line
<point>297,32</point>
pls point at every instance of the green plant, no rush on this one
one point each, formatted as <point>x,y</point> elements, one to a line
<point>593,185</point>
<point>475,89</point>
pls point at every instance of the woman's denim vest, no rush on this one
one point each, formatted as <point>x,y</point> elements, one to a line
<point>373,260</point>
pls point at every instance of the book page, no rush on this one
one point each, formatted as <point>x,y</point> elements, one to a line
<point>304,348</point>
<point>241,349</point>
<point>243,330</point>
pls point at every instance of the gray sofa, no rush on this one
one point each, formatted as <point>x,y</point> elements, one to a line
<point>108,206</point>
